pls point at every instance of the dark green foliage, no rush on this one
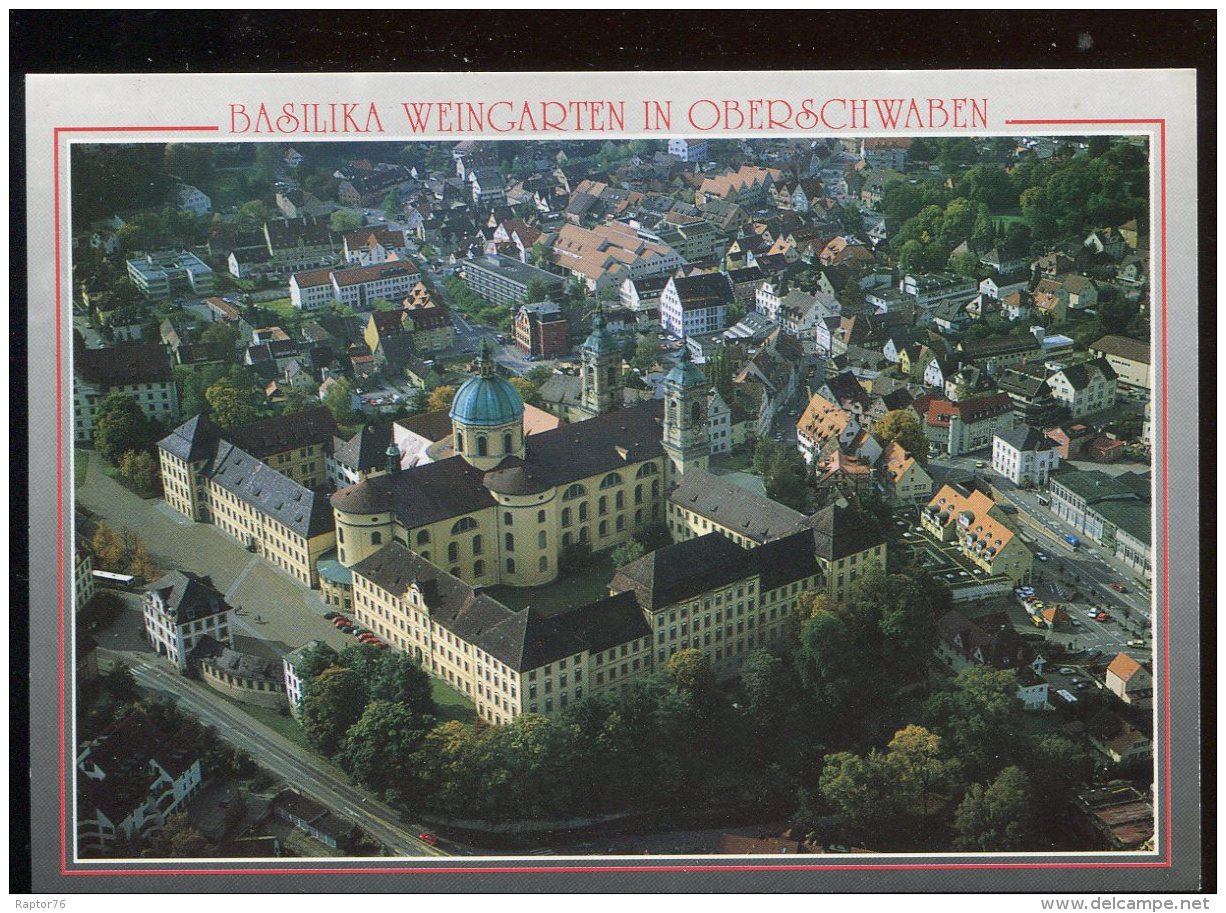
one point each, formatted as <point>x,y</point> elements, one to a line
<point>121,426</point>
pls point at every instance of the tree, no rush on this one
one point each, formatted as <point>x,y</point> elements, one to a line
<point>179,839</point>
<point>863,792</point>
<point>315,659</point>
<point>896,621</point>
<point>529,392</point>
<point>853,222</point>
<point>690,670</point>
<point>253,213</point>
<point>537,290</point>
<point>392,204</point>
<point>914,754</point>
<point>401,680</point>
<point>851,296</point>
<point>1061,765</point>
<point>333,702</point>
<point>378,750</point>
<point>339,400</point>
<point>902,426</point>
<point>539,253</point>
<point>345,220</point>
<point>440,398</point>
<point>628,552</point>
<point>121,426</point>
<point>140,564</point>
<point>233,403</point>
<point>998,818</point>
<point>139,469</point>
<point>827,664</point>
<point>190,162</point>
<point>979,715</point>
<point>108,548</point>
<point>965,264</point>
<point>646,353</point>
<point>223,335</point>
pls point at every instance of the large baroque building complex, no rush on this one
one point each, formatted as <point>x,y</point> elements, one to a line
<point>494,505</point>
<point>260,484</point>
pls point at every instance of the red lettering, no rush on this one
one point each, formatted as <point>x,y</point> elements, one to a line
<point>237,111</point>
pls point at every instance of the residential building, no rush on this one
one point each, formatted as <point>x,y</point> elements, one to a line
<point>1117,816</point>
<point>180,608</point>
<point>1130,681</point>
<point>1129,359</point>
<point>930,289</point>
<point>969,424</point>
<point>977,525</point>
<point>426,322</point>
<point>992,641</point>
<point>370,246</point>
<point>192,199</point>
<point>705,503</point>
<point>904,479</point>
<point>488,187</point>
<point>824,423</point>
<point>541,329</point>
<point>748,186</point>
<point>643,294</point>
<point>994,354</point>
<point>1118,740</point>
<point>505,280</point>
<point>689,150</point>
<point>1084,388</point>
<point>131,779</point>
<point>1025,456</point>
<point>355,287</point>
<point>140,370</point>
<point>362,456</point>
<point>694,305</point>
<point>608,254</point>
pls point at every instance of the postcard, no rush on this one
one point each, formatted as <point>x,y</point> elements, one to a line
<point>494,476</point>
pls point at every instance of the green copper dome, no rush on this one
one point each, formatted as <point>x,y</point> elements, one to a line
<point>487,400</point>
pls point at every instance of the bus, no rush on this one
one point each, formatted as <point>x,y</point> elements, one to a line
<point>117,581</point>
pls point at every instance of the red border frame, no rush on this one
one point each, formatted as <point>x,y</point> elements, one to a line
<point>714,867</point>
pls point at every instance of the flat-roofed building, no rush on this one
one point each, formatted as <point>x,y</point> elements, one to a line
<point>505,280</point>
<point>170,273</point>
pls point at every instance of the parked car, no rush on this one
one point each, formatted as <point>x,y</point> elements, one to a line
<point>1041,556</point>
<point>332,615</point>
<point>1066,670</point>
<point>341,621</point>
<point>1102,616</point>
<point>1136,642</point>
<point>1082,686</point>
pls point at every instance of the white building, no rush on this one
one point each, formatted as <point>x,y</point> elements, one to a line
<point>689,150</point>
<point>133,777</point>
<point>1024,456</point>
<point>1085,388</point>
<point>192,199</point>
<point>181,608</point>
<point>140,370</point>
<point>83,575</point>
<point>695,305</point>
<point>356,287</point>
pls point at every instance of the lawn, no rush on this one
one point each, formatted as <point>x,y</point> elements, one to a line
<point>80,465</point>
<point>283,725</point>
<point>1002,220</point>
<point>579,587</point>
<point>282,306</point>
<point>450,703</point>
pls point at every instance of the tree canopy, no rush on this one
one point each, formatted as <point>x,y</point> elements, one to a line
<point>120,425</point>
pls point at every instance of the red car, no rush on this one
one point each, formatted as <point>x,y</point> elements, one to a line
<point>1118,587</point>
<point>1102,616</point>
<point>427,837</point>
<point>341,621</point>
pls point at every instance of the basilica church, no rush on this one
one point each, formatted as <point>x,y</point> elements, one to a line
<point>493,505</point>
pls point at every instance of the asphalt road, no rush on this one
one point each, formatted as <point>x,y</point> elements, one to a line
<point>281,757</point>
